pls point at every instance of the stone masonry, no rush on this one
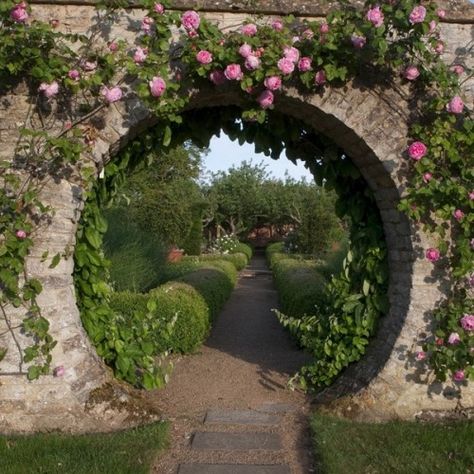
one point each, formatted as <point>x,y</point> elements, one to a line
<point>371,126</point>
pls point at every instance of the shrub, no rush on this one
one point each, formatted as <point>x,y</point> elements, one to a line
<point>300,287</point>
<point>182,304</point>
<point>272,250</point>
<point>239,260</point>
<point>245,249</point>
<point>128,302</point>
<point>193,242</point>
<point>214,284</point>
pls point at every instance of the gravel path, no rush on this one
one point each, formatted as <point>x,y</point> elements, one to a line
<point>245,364</point>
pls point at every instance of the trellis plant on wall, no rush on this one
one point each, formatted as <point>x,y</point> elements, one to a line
<point>73,77</point>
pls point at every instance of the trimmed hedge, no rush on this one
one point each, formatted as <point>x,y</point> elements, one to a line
<point>245,249</point>
<point>128,302</point>
<point>239,260</point>
<point>300,287</point>
<point>214,285</point>
<point>180,303</point>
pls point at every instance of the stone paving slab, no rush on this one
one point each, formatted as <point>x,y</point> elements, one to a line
<point>236,441</point>
<point>241,417</point>
<point>233,469</point>
<point>270,407</point>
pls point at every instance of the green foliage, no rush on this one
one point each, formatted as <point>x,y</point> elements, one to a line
<point>128,303</point>
<point>214,284</point>
<point>136,256</point>
<point>85,454</point>
<point>184,307</point>
<point>246,249</point>
<point>239,260</point>
<point>300,287</point>
<point>192,244</point>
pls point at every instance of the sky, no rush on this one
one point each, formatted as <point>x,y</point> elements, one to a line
<point>225,153</point>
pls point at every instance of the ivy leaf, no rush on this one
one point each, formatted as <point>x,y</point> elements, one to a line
<point>55,260</point>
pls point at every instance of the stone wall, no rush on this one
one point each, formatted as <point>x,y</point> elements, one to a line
<point>360,118</point>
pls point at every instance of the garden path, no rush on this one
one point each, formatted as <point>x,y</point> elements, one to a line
<point>237,383</point>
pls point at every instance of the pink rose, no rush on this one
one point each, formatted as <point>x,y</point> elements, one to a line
<point>471,196</point>
<point>18,13</point>
<point>304,64</point>
<point>111,95</point>
<point>157,86</point>
<point>441,13</point>
<point>286,66</point>
<point>420,355</point>
<point>113,46</point>
<point>358,41</point>
<point>459,376</point>
<point>295,39</point>
<point>192,34</point>
<point>147,23</point>
<point>457,69</point>
<point>49,90</point>
<point>439,341</point>
<point>140,55</point>
<point>454,338</point>
<point>159,8</point>
<point>252,62</point>
<point>291,53</point>
<point>217,77</point>
<point>273,83</point>
<point>417,15</point>
<point>245,50</point>
<point>320,78</point>
<point>277,25</point>
<point>417,150</point>
<point>456,105</point>
<point>59,371</point>
<point>467,322</point>
<point>432,254</point>
<point>432,24</point>
<point>439,48</point>
<point>233,72</point>
<point>54,23</point>
<point>249,30</point>
<point>88,65</point>
<point>375,16</point>
<point>427,177</point>
<point>204,57</point>
<point>308,34</point>
<point>21,234</point>
<point>265,99</point>
<point>190,20</point>
<point>74,74</point>
<point>458,214</point>
<point>324,28</point>
<point>411,73</point>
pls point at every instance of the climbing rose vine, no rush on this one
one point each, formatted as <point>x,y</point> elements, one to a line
<point>176,52</point>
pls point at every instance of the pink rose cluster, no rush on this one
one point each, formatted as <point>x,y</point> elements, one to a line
<point>157,86</point>
<point>304,64</point>
<point>158,8</point>
<point>417,15</point>
<point>417,150</point>
<point>467,322</point>
<point>147,23</point>
<point>190,20</point>
<point>204,57</point>
<point>140,55</point>
<point>249,29</point>
<point>459,376</point>
<point>21,234</point>
<point>411,73</point>
<point>432,254</point>
<point>49,90</point>
<point>455,105</point>
<point>111,95</point>
<point>19,13</point>
<point>375,16</point>
<point>233,72</point>
<point>273,83</point>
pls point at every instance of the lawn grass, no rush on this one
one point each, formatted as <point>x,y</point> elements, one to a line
<point>343,446</point>
<point>124,452</point>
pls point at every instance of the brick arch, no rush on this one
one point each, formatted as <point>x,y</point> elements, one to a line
<point>361,119</point>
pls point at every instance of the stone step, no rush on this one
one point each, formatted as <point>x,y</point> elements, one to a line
<point>272,407</point>
<point>235,441</point>
<point>233,469</point>
<point>241,417</point>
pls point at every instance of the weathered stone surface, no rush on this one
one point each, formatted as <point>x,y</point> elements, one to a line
<point>370,124</point>
<point>236,441</point>
<point>241,417</point>
<point>232,469</point>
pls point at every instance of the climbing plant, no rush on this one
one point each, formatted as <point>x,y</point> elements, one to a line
<point>72,78</point>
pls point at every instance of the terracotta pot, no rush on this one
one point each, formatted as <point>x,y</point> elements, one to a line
<point>174,254</point>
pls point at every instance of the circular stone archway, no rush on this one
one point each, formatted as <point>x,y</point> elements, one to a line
<point>362,119</point>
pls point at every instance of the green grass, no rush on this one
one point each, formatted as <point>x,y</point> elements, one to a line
<point>126,452</point>
<point>343,446</point>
